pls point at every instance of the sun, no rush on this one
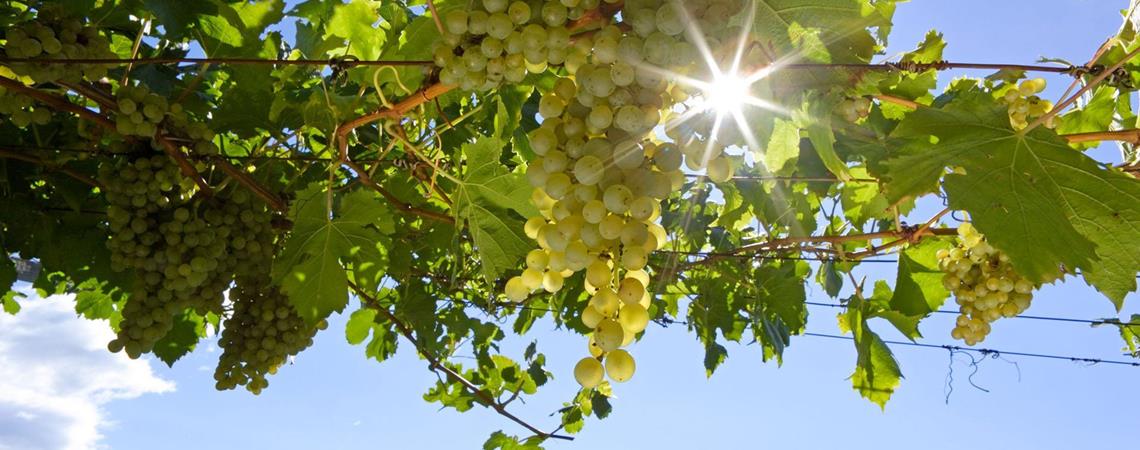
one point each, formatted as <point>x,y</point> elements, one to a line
<point>727,93</point>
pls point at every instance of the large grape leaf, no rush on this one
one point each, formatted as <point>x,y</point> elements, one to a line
<point>877,374</point>
<point>918,285</point>
<point>821,30</point>
<point>783,148</point>
<point>309,268</point>
<point>1034,197</point>
<point>862,201</point>
<point>484,198</point>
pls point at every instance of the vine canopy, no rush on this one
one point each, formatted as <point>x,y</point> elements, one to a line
<point>447,174</point>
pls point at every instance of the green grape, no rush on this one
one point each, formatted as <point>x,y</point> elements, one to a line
<point>620,365</point>
<point>984,284</point>
<point>633,318</point>
<point>552,281</point>
<point>609,335</point>
<point>591,317</point>
<point>606,302</point>
<point>516,290</point>
<point>720,170</point>
<point>598,273</point>
<point>588,372</point>
<point>631,290</point>
<point>260,335</point>
<point>617,198</point>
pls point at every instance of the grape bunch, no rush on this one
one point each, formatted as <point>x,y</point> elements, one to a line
<point>1025,105</point>
<point>261,333</point>
<point>502,40</point>
<point>140,111</point>
<point>21,110</point>
<point>52,35</point>
<point>143,113</point>
<point>984,284</point>
<point>182,248</point>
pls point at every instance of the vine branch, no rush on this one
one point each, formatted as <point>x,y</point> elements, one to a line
<point>436,366</point>
<point>50,166</point>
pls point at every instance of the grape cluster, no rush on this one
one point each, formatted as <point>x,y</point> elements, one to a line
<point>984,284</point>
<point>142,113</point>
<point>261,333</point>
<point>139,111</point>
<point>1025,105</point>
<point>21,110</point>
<point>600,177</point>
<point>182,248</point>
<point>502,40</point>
<point>52,35</point>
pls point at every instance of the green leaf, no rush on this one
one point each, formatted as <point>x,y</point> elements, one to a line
<point>929,50</point>
<point>310,267</point>
<point>188,328</point>
<point>221,30</point>
<point>877,374</point>
<point>715,354</point>
<point>1034,198</point>
<point>354,21</point>
<point>822,138</point>
<point>840,25</point>
<point>862,201</point>
<point>9,303</point>
<point>918,285</point>
<point>503,441</point>
<point>830,278</point>
<point>1096,115</point>
<point>482,198</point>
<point>879,306</point>
<point>487,179</point>
<point>783,148</point>
<point>1130,333</point>
<point>359,325</point>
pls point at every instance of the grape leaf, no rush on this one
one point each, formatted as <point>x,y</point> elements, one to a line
<point>482,198</point>
<point>918,285</point>
<point>359,325</point>
<point>1095,115</point>
<point>503,441</point>
<point>783,148</point>
<point>9,303</point>
<point>840,25</point>
<point>188,328</point>
<point>862,201</point>
<point>822,139</point>
<point>1035,198</point>
<point>309,268</point>
<point>354,22</point>
<point>877,373</point>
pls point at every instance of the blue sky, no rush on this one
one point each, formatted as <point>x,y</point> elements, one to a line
<point>333,398</point>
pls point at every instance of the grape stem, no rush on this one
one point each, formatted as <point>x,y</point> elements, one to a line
<point>107,103</point>
<point>435,16</point>
<point>1131,135</point>
<point>66,105</point>
<point>50,166</point>
<point>1107,72</point>
<point>436,366</point>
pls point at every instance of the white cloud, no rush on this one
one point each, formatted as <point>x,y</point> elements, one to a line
<point>56,373</point>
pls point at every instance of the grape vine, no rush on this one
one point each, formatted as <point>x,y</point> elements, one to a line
<point>458,174</point>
